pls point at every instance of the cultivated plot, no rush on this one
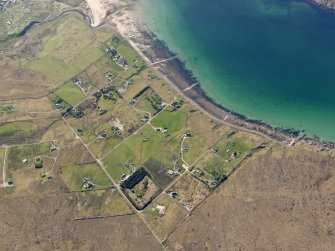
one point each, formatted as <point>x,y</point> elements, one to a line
<point>84,177</point>
<point>34,130</point>
<point>225,156</point>
<point>100,203</point>
<point>166,164</point>
<point>121,162</point>
<point>140,188</point>
<point>189,191</point>
<point>164,215</point>
<point>27,168</point>
<point>73,47</point>
<point>70,93</point>
<point>104,121</point>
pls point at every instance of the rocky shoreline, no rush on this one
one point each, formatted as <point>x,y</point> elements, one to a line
<point>175,72</point>
<point>330,4</point>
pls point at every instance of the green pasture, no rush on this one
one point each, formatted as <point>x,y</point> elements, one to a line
<point>71,93</point>
<point>73,176</point>
<point>8,129</point>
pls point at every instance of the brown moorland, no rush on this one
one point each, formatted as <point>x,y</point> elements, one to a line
<point>281,199</point>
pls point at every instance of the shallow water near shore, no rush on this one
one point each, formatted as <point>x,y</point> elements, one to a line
<point>270,60</point>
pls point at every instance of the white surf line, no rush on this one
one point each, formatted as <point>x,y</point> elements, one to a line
<point>164,60</point>
<point>190,87</point>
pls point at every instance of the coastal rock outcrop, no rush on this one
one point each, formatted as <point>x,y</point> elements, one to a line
<point>327,3</point>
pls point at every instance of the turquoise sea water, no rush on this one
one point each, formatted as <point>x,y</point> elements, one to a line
<point>271,60</point>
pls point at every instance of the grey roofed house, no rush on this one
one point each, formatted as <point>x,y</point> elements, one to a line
<point>59,107</point>
<point>77,80</point>
<point>39,165</point>
<point>214,150</point>
<point>187,135</point>
<point>88,185</point>
<point>161,103</point>
<point>102,135</point>
<point>132,101</point>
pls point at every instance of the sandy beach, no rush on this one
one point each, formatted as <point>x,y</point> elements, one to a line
<point>101,8</point>
<point>173,70</point>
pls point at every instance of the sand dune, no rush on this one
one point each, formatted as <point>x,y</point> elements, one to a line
<point>99,9</point>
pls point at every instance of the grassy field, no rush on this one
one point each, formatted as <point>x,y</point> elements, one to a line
<point>143,149</point>
<point>48,127</point>
<point>101,147</point>
<point>72,48</point>
<point>135,88</point>
<point>190,191</point>
<point>208,130</point>
<point>193,148</point>
<point>164,224</point>
<point>241,143</point>
<point>127,52</point>
<point>13,107</point>
<point>167,158</point>
<point>73,153</point>
<point>146,78</point>
<point>12,128</point>
<point>17,154</point>
<point>157,151</point>
<point>114,117</point>
<point>70,93</point>
<point>173,121</point>
<point>101,203</point>
<point>26,177</point>
<point>73,176</point>
<point>157,154</point>
<point>149,101</point>
<point>97,71</point>
<point>115,162</point>
<point>213,168</point>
